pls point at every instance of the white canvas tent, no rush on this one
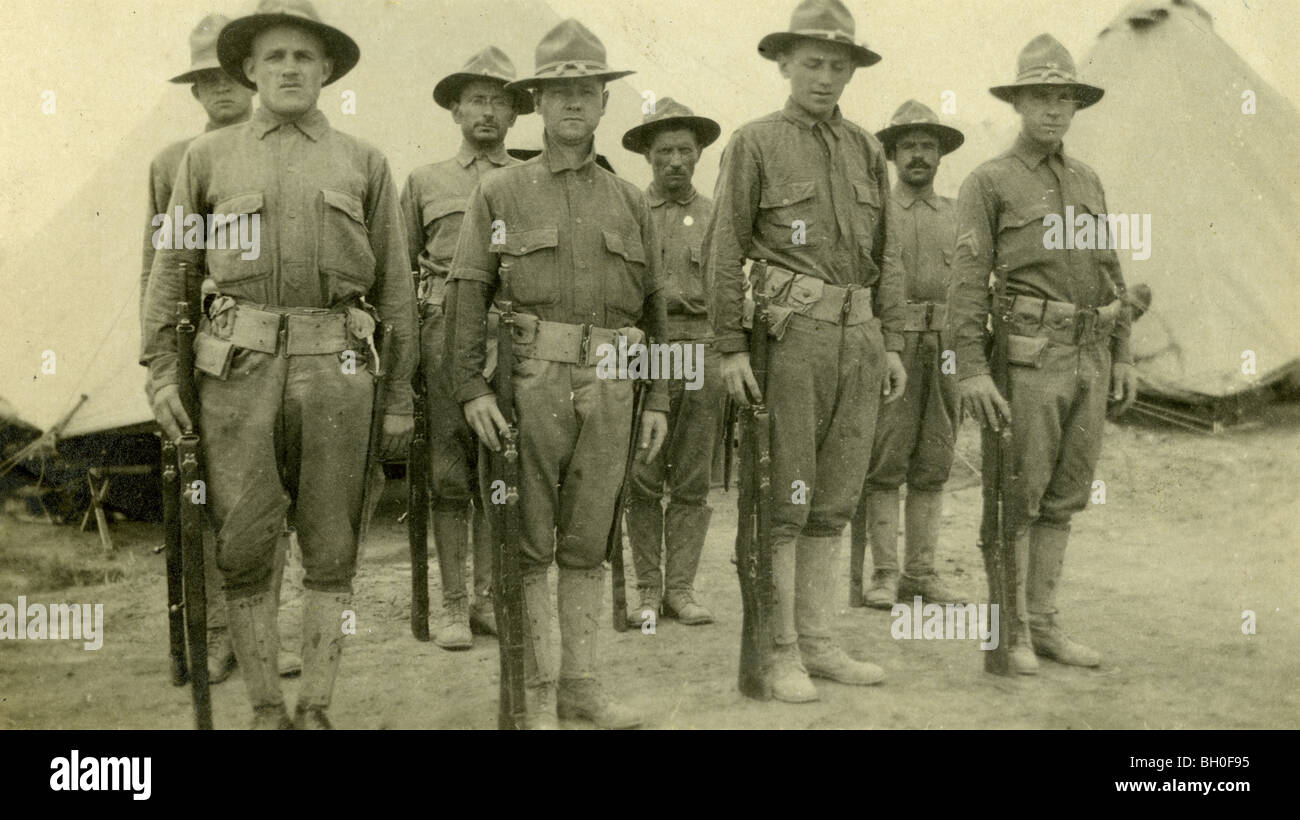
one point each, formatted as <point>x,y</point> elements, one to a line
<point>1190,134</point>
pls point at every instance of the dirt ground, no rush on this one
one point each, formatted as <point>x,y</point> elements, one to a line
<point>1194,531</point>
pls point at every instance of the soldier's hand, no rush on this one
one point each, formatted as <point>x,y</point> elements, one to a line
<point>654,429</point>
<point>485,420</point>
<point>1123,387</point>
<point>739,379</point>
<point>981,401</point>
<point>398,431</point>
<point>895,377</point>
<point>170,412</point>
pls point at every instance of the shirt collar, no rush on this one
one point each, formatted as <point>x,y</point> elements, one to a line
<point>905,198</point>
<point>469,153</point>
<point>556,165</point>
<point>313,123</point>
<point>802,118</point>
<point>657,199</point>
<point>1031,155</point>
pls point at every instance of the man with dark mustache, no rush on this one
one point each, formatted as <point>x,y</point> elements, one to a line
<point>433,204</point>
<point>914,435</point>
<point>282,349</point>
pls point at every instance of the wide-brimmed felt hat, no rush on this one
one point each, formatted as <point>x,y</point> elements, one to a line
<point>912,116</point>
<point>236,41</point>
<point>822,20</point>
<point>489,64</point>
<point>568,51</point>
<point>1045,62</point>
<point>203,49</point>
<point>668,114</point>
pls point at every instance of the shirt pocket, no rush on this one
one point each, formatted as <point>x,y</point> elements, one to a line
<point>867,214</point>
<point>533,277</point>
<point>233,220</point>
<point>1022,235</point>
<point>440,238</point>
<point>694,290</point>
<point>343,249</point>
<point>786,214</point>
<point>624,291</point>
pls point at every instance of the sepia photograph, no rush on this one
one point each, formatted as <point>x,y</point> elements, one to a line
<point>659,364</point>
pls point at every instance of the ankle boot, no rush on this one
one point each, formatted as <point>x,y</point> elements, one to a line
<point>451,537</point>
<point>539,654</point>
<point>817,559</point>
<point>580,694</point>
<point>256,643</point>
<point>1023,660</point>
<point>1046,560</point>
<point>322,650</point>
<point>788,677</point>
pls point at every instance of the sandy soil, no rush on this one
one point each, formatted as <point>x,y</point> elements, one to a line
<point>1195,530</point>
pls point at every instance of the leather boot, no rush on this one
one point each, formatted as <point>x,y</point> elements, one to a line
<point>580,694</point>
<point>1046,559</point>
<point>1023,660</point>
<point>685,528</point>
<point>322,649</point>
<point>257,645</point>
<point>451,537</point>
<point>922,513</point>
<point>789,678</point>
<point>645,533</point>
<point>539,654</point>
<point>221,654</point>
<point>817,559</point>
<point>647,609</point>
<point>482,617</point>
<point>882,530</point>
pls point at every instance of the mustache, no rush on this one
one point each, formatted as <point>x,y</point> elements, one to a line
<point>917,163</point>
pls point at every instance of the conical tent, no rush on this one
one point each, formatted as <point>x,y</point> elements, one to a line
<point>1191,135</point>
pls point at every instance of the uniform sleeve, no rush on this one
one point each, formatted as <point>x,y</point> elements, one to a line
<point>167,280</point>
<point>654,309</point>
<point>968,296</point>
<point>392,294</point>
<point>729,239</point>
<point>1120,352</point>
<point>411,220</point>
<point>472,283</point>
<point>890,292</point>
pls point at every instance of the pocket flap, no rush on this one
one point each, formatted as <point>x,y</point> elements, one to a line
<point>868,194</point>
<point>1022,214</point>
<point>440,208</point>
<point>519,243</point>
<point>241,204</point>
<point>627,247</point>
<point>212,355</point>
<point>776,196</point>
<point>347,203</point>
<point>1026,351</point>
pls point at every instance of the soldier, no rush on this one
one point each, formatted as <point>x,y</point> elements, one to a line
<point>577,251</point>
<point>914,435</point>
<point>802,192</point>
<point>285,404</point>
<point>671,138</point>
<point>1068,337</point>
<point>226,102</point>
<point>433,203</point>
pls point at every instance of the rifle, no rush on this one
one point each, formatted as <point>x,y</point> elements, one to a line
<point>507,529</point>
<point>614,540</point>
<point>374,451</point>
<point>417,511</point>
<point>171,489</point>
<point>753,532</point>
<point>997,540</point>
<point>730,417</point>
<point>194,599</point>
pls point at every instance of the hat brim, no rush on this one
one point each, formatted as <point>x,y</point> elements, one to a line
<point>530,83</point>
<point>447,92</point>
<point>950,139</point>
<point>1086,95</point>
<point>195,72</point>
<point>774,45</point>
<point>639,139</point>
<point>236,42</point>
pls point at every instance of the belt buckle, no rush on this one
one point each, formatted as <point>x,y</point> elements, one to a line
<point>584,346</point>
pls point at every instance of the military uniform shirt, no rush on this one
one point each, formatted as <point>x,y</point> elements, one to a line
<point>681,226</point>
<point>330,232</point>
<point>810,197</point>
<point>927,234</point>
<point>1000,214</point>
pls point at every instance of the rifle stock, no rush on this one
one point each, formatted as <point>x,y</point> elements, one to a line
<point>997,531</point>
<point>614,540</point>
<point>171,496</point>
<point>753,533</point>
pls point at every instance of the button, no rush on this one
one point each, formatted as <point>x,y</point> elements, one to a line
<point>688,220</point>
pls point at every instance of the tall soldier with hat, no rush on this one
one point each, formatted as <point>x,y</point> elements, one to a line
<point>802,192</point>
<point>1067,335</point>
<point>671,138</point>
<point>573,248</point>
<point>914,435</point>
<point>226,102</point>
<point>284,391</point>
<point>433,203</point>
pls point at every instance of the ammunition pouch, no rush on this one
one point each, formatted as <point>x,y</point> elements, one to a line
<point>1059,322</point>
<point>561,342</point>
<point>787,293</point>
<point>271,330</point>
